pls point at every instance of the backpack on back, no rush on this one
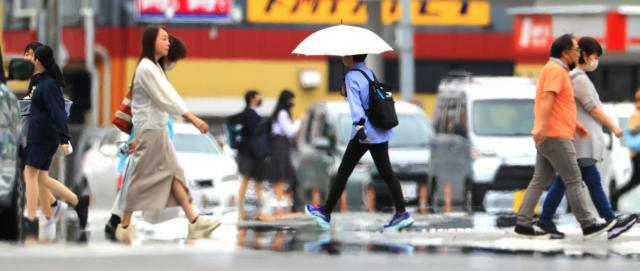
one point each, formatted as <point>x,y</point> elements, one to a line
<point>233,130</point>
<point>382,111</point>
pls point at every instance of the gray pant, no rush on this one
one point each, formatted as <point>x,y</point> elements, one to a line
<point>556,155</point>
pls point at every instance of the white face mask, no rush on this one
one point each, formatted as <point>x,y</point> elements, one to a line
<point>170,66</point>
<point>592,66</point>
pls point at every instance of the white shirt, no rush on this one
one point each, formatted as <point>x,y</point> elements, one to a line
<point>154,98</point>
<point>284,126</point>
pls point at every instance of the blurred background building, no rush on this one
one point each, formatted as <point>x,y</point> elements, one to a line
<point>236,45</point>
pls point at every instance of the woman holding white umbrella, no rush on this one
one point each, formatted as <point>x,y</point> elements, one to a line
<point>353,44</point>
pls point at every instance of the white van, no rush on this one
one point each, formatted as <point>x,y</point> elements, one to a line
<point>494,116</point>
<point>616,169</point>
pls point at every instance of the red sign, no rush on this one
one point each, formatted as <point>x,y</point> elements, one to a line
<point>533,33</point>
<point>184,10</point>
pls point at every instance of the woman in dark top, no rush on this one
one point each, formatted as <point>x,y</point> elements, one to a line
<point>47,131</point>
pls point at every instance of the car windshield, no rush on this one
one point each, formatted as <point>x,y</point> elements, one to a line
<point>195,143</point>
<point>503,117</point>
<point>413,131</point>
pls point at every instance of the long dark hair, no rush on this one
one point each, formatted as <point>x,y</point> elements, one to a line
<point>148,50</point>
<point>149,37</point>
<point>284,103</point>
<point>44,54</point>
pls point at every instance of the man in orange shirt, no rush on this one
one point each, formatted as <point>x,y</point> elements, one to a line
<point>553,132</point>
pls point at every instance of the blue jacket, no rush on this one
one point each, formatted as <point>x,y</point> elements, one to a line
<point>358,97</point>
<point>48,120</point>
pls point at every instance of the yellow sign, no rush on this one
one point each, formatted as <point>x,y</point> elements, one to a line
<point>443,12</point>
<point>423,12</point>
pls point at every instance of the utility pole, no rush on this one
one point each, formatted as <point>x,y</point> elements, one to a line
<point>49,34</point>
<point>374,23</point>
<point>53,26</point>
<point>404,38</point>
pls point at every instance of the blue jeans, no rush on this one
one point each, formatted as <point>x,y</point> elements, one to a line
<point>591,177</point>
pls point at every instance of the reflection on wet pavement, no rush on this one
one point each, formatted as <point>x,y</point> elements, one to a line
<point>361,233</point>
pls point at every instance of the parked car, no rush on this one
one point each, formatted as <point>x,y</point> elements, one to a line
<point>11,184</point>
<point>483,124</point>
<point>212,176</point>
<point>322,142</point>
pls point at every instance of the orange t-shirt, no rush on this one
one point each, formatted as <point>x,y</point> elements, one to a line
<point>562,120</point>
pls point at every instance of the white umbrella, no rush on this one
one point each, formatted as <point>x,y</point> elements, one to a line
<point>342,40</point>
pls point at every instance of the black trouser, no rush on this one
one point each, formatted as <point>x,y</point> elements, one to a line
<point>355,151</point>
<point>633,182</point>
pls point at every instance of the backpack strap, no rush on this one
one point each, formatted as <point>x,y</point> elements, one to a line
<point>367,76</point>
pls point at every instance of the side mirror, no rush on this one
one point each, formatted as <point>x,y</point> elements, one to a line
<point>20,69</point>
<point>321,144</point>
<point>109,150</point>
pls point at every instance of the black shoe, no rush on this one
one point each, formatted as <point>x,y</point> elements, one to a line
<point>550,227</point>
<point>111,226</point>
<point>31,228</point>
<point>624,224</point>
<point>532,232</point>
<point>598,228</point>
<point>110,231</point>
<point>82,209</point>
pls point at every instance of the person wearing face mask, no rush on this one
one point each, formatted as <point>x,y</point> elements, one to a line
<point>554,129</point>
<point>157,180</point>
<point>283,130</point>
<point>589,150</point>
<point>249,166</point>
<point>177,52</point>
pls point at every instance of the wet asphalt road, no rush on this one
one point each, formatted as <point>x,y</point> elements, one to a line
<point>451,241</point>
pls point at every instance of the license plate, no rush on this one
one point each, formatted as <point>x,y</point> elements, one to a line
<point>409,190</point>
<point>518,197</point>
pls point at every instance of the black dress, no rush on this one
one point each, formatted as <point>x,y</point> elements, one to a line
<point>47,123</point>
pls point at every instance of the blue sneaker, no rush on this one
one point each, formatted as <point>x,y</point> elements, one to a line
<point>399,222</point>
<point>323,219</point>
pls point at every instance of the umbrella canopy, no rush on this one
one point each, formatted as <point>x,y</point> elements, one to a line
<point>342,40</point>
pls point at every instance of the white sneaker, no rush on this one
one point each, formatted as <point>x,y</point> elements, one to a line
<point>47,229</point>
<point>202,228</point>
<point>127,234</point>
<point>59,210</point>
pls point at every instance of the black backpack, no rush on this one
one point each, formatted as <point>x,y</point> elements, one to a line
<point>233,130</point>
<point>382,111</point>
<point>261,140</point>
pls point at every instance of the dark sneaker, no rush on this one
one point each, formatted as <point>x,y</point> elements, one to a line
<point>550,227</point>
<point>399,222</point>
<point>624,224</point>
<point>31,228</point>
<point>82,209</point>
<point>111,226</point>
<point>598,228</point>
<point>531,232</point>
<point>323,219</point>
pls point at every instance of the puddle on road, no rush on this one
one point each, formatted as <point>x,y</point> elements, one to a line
<point>451,236</point>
